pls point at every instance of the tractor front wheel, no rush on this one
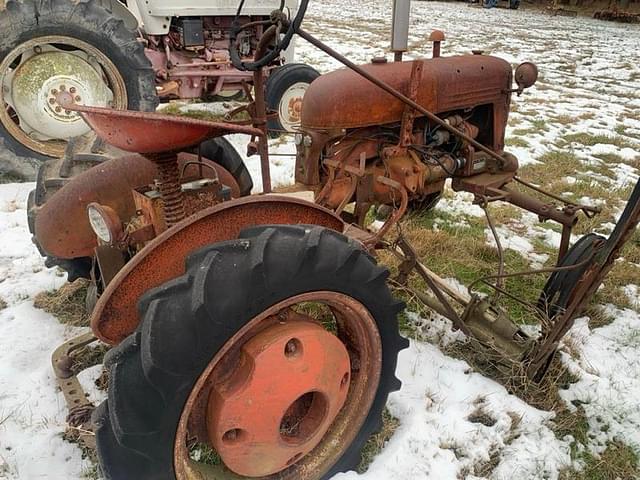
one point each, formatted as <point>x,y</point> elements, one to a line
<point>285,89</point>
<point>272,357</point>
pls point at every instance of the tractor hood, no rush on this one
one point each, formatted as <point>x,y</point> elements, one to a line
<point>344,99</point>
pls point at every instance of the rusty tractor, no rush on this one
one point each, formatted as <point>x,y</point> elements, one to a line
<point>260,329</point>
<point>128,54</point>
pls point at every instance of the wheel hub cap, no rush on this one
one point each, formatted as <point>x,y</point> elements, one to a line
<point>291,106</point>
<point>290,384</point>
<point>36,91</point>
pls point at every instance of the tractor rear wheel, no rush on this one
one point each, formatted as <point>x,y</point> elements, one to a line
<point>53,46</point>
<point>272,357</point>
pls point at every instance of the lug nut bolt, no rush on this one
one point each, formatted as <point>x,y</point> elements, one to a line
<point>54,92</point>
<point>68,112</point>
<point>72,90</point>
<point>52,101</point>
<point>58,109</point>
<point>62,88</point>
<point>77,98</point>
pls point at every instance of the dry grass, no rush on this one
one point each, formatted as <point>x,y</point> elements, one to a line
<point>589,140</point>
<point>87,357</point>
<point>67,304</point>
<point>617,462</point>
<point>10,177</point>
<point>516,141</point>
<point>177,110</point>
<point>377,442</point>
<point>461,252</point>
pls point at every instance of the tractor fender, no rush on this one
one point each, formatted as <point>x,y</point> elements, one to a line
<point>62,228</point>
<point>116,316</point>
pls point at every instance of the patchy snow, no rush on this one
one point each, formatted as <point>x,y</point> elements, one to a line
<point>511,240</point>
<point>458,204</point>
<point>609,370</point>
<point>437,437</point>
<point>32,411</point>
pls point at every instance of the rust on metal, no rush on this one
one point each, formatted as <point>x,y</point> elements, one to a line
<point>484,81</point>
<point>115,315</point>
<point>588,284</point>
<point>356,332</point>
<point>168,184</point>
<point>62,225</point>
<point>150,132</point>
<point>258,438</point>
<point>79,406</point>
<point>437,37</point>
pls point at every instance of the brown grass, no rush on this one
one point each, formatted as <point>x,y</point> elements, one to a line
<point>377,442</point>
<point>617,462</point>
<point>67,303</point>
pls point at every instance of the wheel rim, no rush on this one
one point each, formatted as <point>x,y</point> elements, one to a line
<point>316,405</point>
<point>290,106</point>
<point>37,73</point>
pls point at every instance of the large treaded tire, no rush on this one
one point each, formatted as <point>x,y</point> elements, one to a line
<point>221,151</point>
<point>189,319</point>
<point>92,21</point>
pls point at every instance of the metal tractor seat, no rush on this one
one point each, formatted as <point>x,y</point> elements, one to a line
<point>159,138</point>
<point>150,133</point>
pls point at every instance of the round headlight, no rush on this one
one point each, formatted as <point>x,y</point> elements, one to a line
<point>298,139</point>
<point>104,222</point>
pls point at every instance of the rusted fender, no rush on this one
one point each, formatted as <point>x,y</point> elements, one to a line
<point>116,316</point>
<point>62,226</point>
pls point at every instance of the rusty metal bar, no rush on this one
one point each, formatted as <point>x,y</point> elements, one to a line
<point>436,284</point>
<point>260,118</point>
<point>403,98</point>
<point>587,285</point>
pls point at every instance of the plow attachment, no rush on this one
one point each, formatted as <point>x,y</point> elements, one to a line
<point>571,286</point>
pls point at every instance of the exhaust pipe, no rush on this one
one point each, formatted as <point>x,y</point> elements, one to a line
<point>400,28</point>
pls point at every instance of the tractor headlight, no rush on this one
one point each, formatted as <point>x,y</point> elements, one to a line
<point>104,222</point>
<point>298,139</point>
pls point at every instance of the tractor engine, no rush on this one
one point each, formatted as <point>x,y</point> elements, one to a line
<point>353,133</point>
<point>194,57</point>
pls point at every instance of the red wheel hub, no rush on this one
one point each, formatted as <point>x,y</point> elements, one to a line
<point>274,408</point>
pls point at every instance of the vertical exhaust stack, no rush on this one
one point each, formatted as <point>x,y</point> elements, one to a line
<point>400,28</point>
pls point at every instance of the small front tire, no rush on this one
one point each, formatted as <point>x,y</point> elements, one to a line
<point>285,89</point>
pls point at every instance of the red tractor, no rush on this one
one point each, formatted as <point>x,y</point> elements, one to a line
<point>261,328</point>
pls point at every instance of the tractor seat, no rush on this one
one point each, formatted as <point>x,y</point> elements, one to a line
<point>150,133</point>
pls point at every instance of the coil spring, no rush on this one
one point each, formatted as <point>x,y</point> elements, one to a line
<point>170,189</point>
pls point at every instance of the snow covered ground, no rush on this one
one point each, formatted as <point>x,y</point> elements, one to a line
<point>589,76</point>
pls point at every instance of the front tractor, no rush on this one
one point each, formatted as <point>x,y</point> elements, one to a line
<point>129,54</point>
<point>260,330</point>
